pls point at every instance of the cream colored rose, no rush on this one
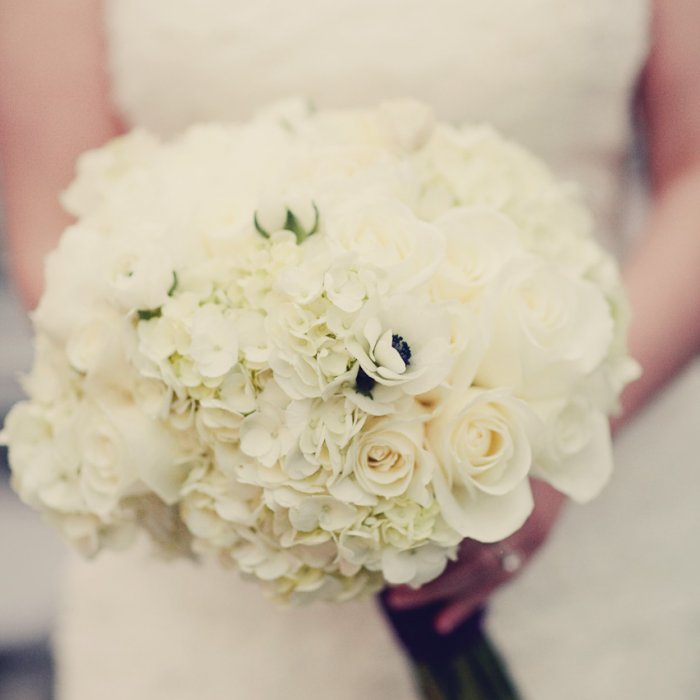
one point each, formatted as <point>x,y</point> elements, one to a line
<point>74,272</point>
<point>387,235</point>
<point>52,381</point>
<point>99,170</point>
<point>479,243</point>
<point>549,331</point>
<point>121,449</point>
<point>577,457</point>
<point>482,441</point>
<point>387,460</point>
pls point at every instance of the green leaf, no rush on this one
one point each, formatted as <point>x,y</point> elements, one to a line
<point>148,314</point>
<point>259,228</point>
<point>173,286</point>
<point>292,224</point>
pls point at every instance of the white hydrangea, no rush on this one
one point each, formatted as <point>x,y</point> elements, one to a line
<point>320,347</point>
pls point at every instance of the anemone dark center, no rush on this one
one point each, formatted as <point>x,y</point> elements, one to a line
<point>364,383</point>
<point>402,347</point>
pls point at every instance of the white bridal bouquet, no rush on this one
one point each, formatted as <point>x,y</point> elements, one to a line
<point>322,347</point>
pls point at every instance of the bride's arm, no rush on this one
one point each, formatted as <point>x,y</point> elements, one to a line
<point>662,279</point>
<point>53,106</point>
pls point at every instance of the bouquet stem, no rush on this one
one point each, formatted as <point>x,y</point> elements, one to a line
<point>462,665</point>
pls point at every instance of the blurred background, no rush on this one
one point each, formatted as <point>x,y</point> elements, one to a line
<point>30,554</point>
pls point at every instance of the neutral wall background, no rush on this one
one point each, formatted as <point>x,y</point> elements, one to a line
<point>30,553</point>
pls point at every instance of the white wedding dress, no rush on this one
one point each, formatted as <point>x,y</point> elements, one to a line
<point>609,609</point>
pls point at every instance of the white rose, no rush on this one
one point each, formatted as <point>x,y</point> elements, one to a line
<point>74,271</point>
<point>387,460</point>
<point>120,447</point>
<point>106,471</point>
<point>549,331</point>
<point>86,345</point>
<point>482,443</point>
<point>480,242</point>
<point>52,379</point>
<point>557,228</point>
<point>100,168</point>
<point>577,458</point>
<point>389,236</point>
<point>481,168</point>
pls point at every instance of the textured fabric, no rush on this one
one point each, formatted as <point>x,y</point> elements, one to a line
<point>558,76</point>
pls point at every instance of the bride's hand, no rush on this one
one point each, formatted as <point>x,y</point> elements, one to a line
<point>481,568</point>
